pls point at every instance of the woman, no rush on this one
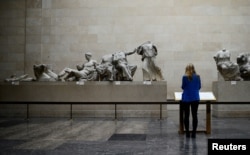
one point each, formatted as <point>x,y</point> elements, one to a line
<point>191,85</point>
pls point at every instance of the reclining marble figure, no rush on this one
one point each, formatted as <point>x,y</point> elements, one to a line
<point>151,71</point>
<point>44,73</point>
<point>228,69</point>
<point>14,78</point>
<point>243,60</point>
<point>85,72</point>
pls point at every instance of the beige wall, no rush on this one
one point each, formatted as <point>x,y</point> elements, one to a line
<point>12,37</point>
<point>59,32</point>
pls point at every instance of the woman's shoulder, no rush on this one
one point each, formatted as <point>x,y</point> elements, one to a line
<point>197,76</point>
<point>184,76</point>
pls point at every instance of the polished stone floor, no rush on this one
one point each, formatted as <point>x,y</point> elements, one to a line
<point>105,136</point>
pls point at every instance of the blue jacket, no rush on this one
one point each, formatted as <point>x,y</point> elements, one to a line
<point>191,88</point>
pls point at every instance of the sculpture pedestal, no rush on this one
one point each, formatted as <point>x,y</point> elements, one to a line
<point>87,93</point>
<point>231,91</point>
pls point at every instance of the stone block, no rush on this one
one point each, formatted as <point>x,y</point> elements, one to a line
<point>46,4</point>
<point>33,21</point>
<point>37,13</point>
<point>47,39</point>
<point>33,39</point>
<point>231,91</point>
<point>14,4</point>
<point>49,110</point>
<point>34,3</point>
<point>86,98</point>
<point>17,39</point>
<point>13,110</point>
<point>32,49</point>
<point>33,30</point>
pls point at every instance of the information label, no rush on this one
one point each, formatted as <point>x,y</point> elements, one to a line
<point>80,82</point>
<point>147,82</point>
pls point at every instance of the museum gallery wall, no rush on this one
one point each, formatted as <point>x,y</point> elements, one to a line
<point>59,32</point>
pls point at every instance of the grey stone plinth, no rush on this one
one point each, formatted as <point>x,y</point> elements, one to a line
<point>231,94</point>
<point>87,92</point>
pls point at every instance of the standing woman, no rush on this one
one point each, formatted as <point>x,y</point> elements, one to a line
<point>191,85</point>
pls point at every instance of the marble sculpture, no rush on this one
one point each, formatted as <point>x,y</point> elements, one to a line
<point>243,60</point>
<point>125,70</point>
<point>84,72</point>
<point>151,72</point>
<point>228,69</point>
<point>115,67</point>
<point>44,73</point>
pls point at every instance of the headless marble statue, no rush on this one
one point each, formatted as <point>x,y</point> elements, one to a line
<point>228,69</point>
<point>151,72</point>
<point>243,60</point>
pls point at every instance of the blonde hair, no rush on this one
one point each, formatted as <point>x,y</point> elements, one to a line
<point>190,70</point>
